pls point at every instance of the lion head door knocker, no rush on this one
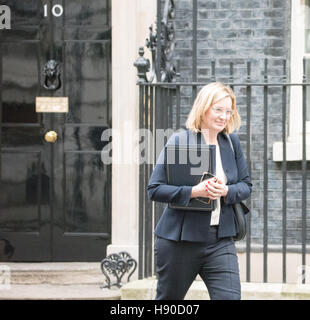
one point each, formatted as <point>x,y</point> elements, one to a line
<point>52,75</point>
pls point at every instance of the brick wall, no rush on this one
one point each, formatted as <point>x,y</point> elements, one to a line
<point>239,31</point>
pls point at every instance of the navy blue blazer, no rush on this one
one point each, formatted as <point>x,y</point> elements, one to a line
<point>175,224</point>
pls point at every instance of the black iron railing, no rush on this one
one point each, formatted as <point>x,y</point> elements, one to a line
<point>165,105</point>
<point>160,108</point>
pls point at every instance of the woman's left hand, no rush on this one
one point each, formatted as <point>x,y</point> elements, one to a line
<point>216,189</point>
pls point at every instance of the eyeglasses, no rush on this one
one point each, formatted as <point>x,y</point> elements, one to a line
<point>228,112</point>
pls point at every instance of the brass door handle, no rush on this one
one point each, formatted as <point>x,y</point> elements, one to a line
<point>50,136</point>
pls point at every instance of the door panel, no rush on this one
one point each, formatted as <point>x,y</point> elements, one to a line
<point>55,198</point>
<point>19,82</point>
<point>83,205</point>
<point>20,202</point>
<point>24,181</point>
<point>84,190</point>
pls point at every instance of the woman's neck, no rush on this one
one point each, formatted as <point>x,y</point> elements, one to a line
<point>209,136</point>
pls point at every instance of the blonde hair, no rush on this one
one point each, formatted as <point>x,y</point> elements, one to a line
<point>207,96</point>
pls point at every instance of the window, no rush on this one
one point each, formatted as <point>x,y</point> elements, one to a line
<point>300,48</point>
<point>307,51</point>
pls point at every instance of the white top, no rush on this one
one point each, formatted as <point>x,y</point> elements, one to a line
<point>215,214</point>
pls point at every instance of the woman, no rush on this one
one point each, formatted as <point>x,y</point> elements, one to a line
<point>188,243</point>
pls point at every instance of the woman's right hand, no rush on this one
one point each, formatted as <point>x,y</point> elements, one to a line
<point>199,190</point>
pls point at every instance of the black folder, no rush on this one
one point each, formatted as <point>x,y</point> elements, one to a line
<point>185,166</point>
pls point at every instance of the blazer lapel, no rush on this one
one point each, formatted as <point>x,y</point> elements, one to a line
<point>227,156</point>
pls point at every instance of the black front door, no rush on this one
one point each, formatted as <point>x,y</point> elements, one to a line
<point>55,197</point>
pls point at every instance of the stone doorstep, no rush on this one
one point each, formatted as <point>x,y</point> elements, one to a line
<point>55,273</point>
<point>52,266</point>
<point>146,289</point>
<point>50,277</point>
<point>58,292</point>
<point>57,281</point>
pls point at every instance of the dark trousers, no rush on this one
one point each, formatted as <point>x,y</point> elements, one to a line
<point>179,262</point>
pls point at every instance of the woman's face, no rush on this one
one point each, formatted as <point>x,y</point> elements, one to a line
<point>217,116</point>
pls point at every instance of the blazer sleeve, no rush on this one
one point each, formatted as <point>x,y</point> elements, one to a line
<point>241,190</point>
<point>159,190</point>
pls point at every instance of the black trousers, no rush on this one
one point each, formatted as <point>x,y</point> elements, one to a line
<point>179,262</point>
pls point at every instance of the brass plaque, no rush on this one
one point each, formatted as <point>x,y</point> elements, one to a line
<point>52,104</point>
